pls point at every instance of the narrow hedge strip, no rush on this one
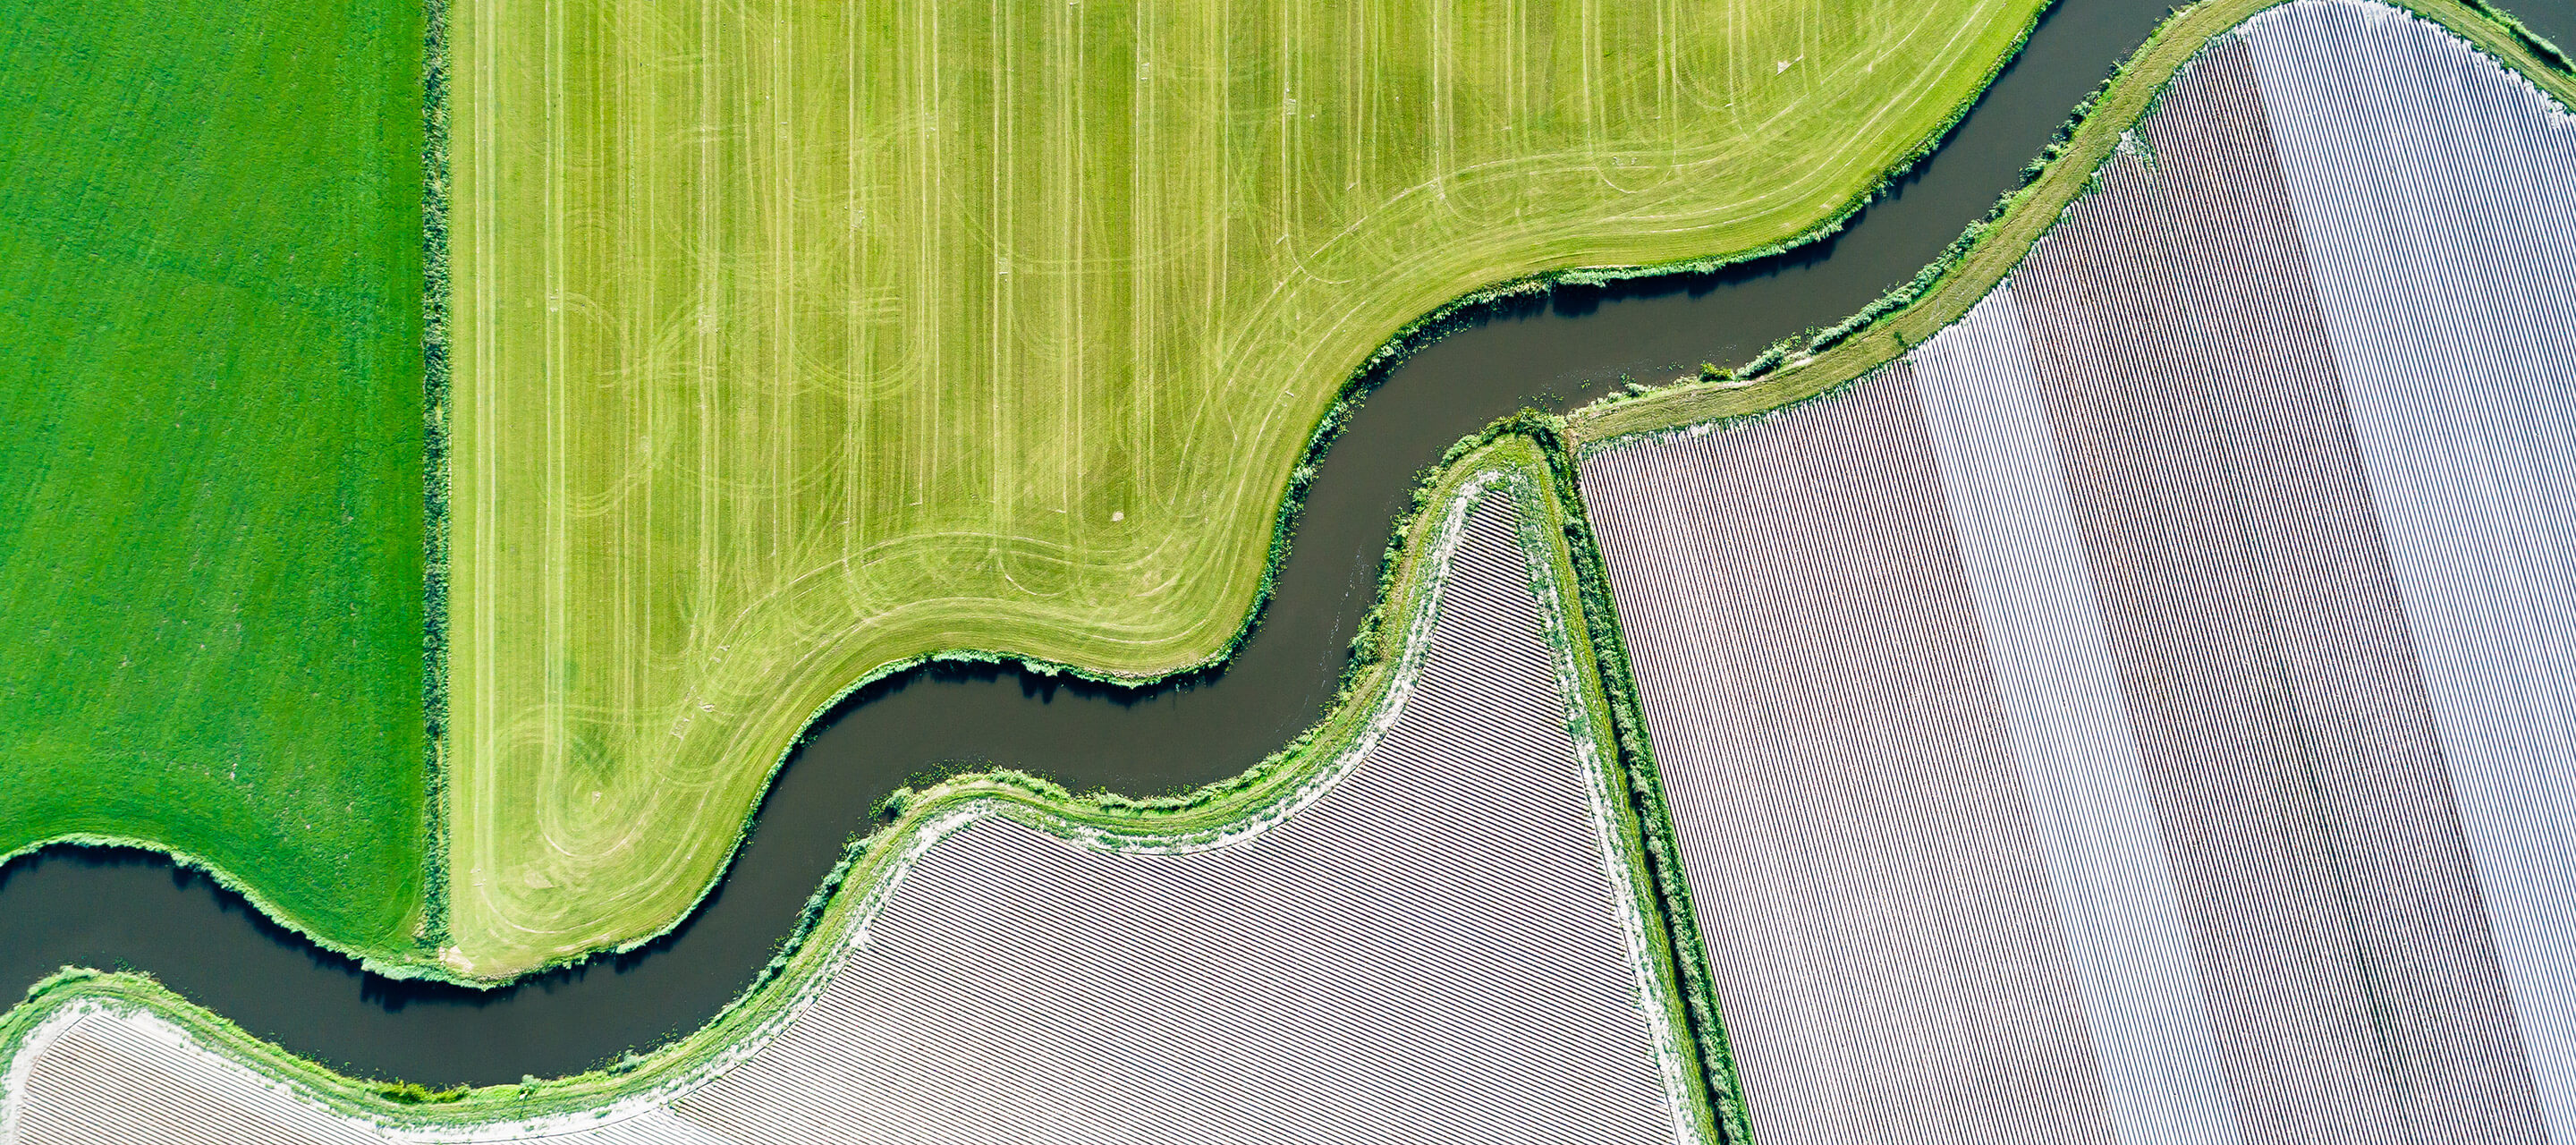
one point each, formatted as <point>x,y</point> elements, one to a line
<point>806,959</point>
<point>434,461</point>
<point>1807,365</point>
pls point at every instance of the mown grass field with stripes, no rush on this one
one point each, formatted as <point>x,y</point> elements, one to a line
<point>2107,1050</point>
<point>795,341</point>
<point>2141,712</point>
<point>1437,916</point>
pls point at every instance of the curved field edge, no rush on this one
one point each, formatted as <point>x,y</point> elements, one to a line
<point>618,931</point>
<point>1822,362</point>
<point>243,852</point>
<point>387,959</point>
<point>1523,458</point>
<point>1803,368</point>
<point>417,961</point>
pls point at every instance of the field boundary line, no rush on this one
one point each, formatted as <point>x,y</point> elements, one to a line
<point>1820,364</point>
<point>435,402</point>
<point>1813,365</point>
<point>546,938</point>
<point>1508,460</point>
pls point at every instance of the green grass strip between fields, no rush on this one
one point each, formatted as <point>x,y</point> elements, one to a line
<point>1523,459</point>
<point>793,345</point>
<point>1535,447</point>
<point>1803,368</point>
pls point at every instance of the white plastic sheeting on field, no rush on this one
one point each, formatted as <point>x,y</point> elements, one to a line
<point>2448,281</point>
<point>2089,795</point>
<point>2240,530</point>
<point>1443,944</point>
<point>1434,950</point>
<point>1843,784</point>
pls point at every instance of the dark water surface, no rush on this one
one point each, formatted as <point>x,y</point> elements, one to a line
<point>119,909</point>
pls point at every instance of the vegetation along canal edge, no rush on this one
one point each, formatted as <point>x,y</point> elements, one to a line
<point>1827,360</point>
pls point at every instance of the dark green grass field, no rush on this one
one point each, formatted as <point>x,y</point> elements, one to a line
<point>210,444</point>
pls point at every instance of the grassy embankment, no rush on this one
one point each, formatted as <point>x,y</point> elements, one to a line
<point>794,347</point>
<point>1990,249</point>
<point>1523,460</point>
<point>1803,368</point>
<point>210,447</point>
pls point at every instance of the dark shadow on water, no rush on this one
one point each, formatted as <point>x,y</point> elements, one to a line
<point>119,907</point>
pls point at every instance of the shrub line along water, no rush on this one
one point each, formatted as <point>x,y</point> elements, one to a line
<point>118,908</point>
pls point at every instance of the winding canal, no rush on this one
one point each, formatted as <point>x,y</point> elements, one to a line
<point>129,909</point>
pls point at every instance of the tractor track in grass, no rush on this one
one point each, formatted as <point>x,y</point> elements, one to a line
<point>112,908</point>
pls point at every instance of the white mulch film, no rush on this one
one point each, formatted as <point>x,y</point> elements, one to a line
<point>2170,669</point>
<point>1442,946</point>
<point>2089,798</point>
<point>2448,281</point>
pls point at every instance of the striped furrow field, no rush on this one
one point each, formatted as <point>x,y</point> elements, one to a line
<point>1441,940</point>
<point>797,340</point>
<point>2146,712</point>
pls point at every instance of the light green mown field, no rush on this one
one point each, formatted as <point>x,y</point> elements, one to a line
<point>795,340</point>
<point>210,445</point>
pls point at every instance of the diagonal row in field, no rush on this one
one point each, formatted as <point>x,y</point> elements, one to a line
<point>2183,757</point>
<point>795,340</point>
<point>1443,932</point>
